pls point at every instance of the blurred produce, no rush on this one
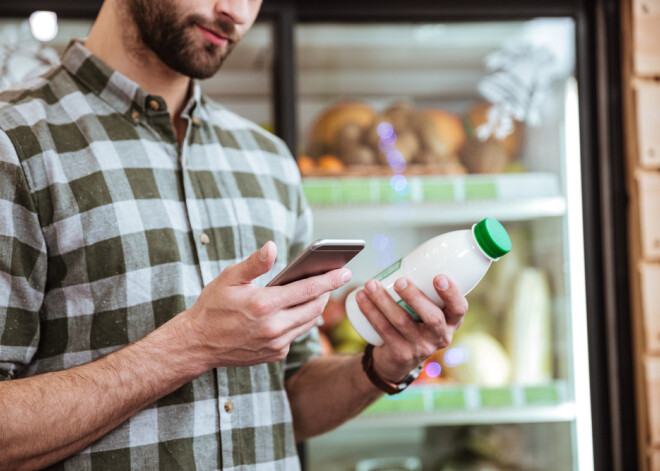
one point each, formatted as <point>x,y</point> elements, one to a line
<point>306,164</point>
<point>492,155</point>
<point>360,155</point>
<point>470,463</point>
<point>501,444</point>
<point>478,115</point>
<point>478,319</point>
<point>346,339</point>
<point>515,167</point>
<point>395,463</point>
<point>477,358</point>
<point>496,292</point>
<point>484,157</point>
<point>425,141</point>
<point>325,131</point>
<point>399,115</point>
<point>330,164</point>
<point>489,447</point>
<point>528,331</point>
<point>441,132</point>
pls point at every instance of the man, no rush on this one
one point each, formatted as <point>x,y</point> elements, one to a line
<point>137,222</point>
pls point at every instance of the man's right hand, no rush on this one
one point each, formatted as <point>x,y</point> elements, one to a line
<point>236,323</point>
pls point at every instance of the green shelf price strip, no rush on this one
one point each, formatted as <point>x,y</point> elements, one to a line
<point>463,398</point>
<point>379,190</point>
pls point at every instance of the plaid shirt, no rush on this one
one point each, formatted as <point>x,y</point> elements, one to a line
<point>109,228</point>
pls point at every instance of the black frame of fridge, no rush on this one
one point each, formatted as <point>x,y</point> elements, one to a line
<point>598,54</point>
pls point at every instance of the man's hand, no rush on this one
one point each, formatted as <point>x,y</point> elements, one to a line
<point>236,323</point>
<point>409,343</point>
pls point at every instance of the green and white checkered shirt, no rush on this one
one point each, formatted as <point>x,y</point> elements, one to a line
<point>109,228</point>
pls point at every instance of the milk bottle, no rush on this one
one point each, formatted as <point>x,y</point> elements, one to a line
<point>464,256</point>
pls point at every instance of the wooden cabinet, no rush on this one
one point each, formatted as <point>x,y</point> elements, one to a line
<point>648,120</point>
<point>649,208</point>
<point>640,26</point>
<point>652,367</point>
<point>654,459</point>
<point>650,281</point>
<point>646,37</point>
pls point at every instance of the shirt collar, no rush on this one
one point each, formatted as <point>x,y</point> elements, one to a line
<point>120,92</point>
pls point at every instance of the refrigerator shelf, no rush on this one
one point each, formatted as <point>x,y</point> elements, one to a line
<point>431,200</point>
<point>427,405</point>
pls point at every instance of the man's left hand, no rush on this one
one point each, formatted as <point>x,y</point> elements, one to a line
<point>407,342</point>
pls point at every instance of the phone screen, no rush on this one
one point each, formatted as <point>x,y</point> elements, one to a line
<point>319,257</point>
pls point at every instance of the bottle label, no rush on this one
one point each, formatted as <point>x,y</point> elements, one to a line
<point>406,307</point>
<point>388,271</point>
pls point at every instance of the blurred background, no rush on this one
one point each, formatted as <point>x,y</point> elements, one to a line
<point>408,121</point>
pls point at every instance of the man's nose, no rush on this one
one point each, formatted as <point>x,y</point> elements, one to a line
<point>236,10</point>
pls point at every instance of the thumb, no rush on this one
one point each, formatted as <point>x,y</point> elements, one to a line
<point>255,265</point>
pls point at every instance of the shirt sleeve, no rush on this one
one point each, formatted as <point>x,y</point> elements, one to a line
<point>307,346</point>
<point>23,265</point>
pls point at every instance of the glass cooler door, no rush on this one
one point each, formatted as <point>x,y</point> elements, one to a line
<point>412,130</point>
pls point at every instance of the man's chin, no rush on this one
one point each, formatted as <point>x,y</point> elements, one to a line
<point>199,70</point>
<point>202,73</point>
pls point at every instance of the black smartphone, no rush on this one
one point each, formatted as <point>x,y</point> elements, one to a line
<point>319,257</point>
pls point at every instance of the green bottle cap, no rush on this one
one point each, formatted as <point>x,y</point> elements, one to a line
<point>492,237</point>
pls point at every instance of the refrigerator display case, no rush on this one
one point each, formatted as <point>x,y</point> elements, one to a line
<point>505,111</point>
<point>415,101</point>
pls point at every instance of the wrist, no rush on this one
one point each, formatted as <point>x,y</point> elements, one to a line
<point>180,340</point>
<point>382,383</point>
<point>388,369</point>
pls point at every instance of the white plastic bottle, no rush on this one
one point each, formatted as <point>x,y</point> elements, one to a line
<point>464,256</point>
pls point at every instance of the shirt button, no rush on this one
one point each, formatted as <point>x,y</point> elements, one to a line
<point>154,105</point>
<point>229,406</point>
<point>135,115</point>
<point>196,121</point>
<point>204,238</point>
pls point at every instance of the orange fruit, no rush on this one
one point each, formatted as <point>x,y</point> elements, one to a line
<point>331,163</point>
<point>306,164</point>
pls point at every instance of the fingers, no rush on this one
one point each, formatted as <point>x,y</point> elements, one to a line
<point>389,317</point>
<point>433,318</point>
<point>255,265</point>
<point>279,348</point>
<point>305,312</point>
<point>291,324</point>
<point>394,313</point>
<point>301,291</point>
<point>455,303</point>
<point>378,321</point>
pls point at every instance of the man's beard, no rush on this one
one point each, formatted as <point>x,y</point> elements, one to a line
<point>170,35</point>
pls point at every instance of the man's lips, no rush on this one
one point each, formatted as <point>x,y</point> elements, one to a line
<point>213,37</point>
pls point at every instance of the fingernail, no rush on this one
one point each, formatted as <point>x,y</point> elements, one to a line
<point>371,286</point>
<point>346,276</point>
<point>443,283</point>
<point>361,296</point>
<point>263,252</point>
<point>401,283</point>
